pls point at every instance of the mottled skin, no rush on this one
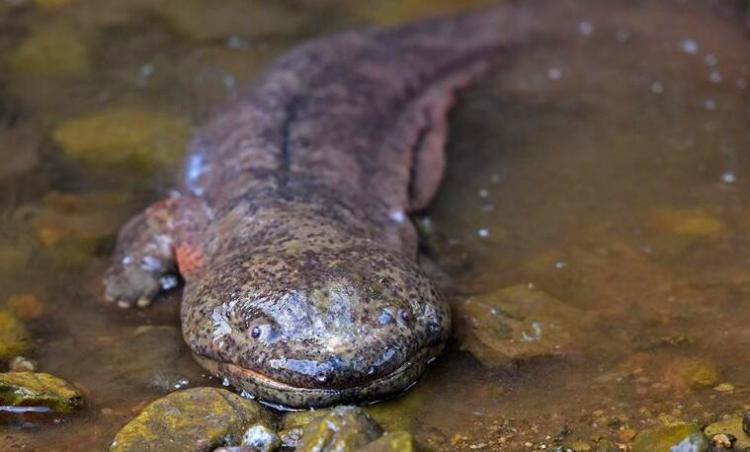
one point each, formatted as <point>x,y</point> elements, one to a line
<point>291,229</point>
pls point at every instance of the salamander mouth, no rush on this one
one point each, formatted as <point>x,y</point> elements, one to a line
<point>288,396</point>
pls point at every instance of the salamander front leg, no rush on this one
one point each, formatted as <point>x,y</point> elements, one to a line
<point>144,261</point>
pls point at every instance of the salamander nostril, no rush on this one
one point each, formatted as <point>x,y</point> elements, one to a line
<point>433,328</point>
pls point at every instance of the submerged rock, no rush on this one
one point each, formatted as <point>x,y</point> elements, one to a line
<point>25,306</point>
<point>153,357</point>
<point>730,426</point>
<point>199,419</point>
<point>691,373</point>
<point>207,20</point>
<point>30,389</point>
<point>342,429</point>
<point>141,139</point>
<point>391,442</point>
<point>52,52</point>
<point>516,323</point>
<point>19,150</point>
<point>696,223</point>
<point>14,339</point>
<point>677,438</point>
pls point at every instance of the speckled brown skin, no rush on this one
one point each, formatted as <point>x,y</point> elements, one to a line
<point>301,283</point>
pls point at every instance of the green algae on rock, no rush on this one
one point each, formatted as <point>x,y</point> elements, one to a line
<point>400,441</point>
<point>682,437</point>
<point>198,419</point>
<point>516,323</point>
<point>733,426</point>
<point>14,339</point>
<point>400,413</point>
<point>138,138</point>
<point>34,389</point>
<point>342,429</point>
<point>52,52</point>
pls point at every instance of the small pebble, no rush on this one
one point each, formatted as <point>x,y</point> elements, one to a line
<point>723,440</point>
<point>22,364</point>
<point>724,387</point>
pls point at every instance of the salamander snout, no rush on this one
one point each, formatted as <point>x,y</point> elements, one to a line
<point>357,319</point>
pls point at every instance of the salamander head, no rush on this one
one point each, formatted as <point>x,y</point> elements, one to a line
<point>301,325</point>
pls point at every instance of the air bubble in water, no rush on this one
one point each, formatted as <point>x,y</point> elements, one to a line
<point>585,28</point>
<point>554,73</point>
<point>729,177</point>
<point>689,46</point>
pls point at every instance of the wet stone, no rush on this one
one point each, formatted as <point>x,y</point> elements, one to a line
<point>261,438</point>
<point>400,413</point>
<point>14,339</point>
<point>30,389</point>
<point>199,419</point>
<point>391,442</point>
<point>342,429</point>
<point>731,426</point>
<point>516,323</point>
<point>52,52</point>
<point>678,437</point>
<point>137,138</point>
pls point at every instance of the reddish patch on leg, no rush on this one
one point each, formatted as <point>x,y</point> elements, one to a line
<point>189,258</point>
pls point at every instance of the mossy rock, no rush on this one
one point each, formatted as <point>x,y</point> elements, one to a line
<point>14,339</point>
<point>38,390</point>
<point>400,413</point>
<point>686,437</point>
<point>392,442</point>
<point>137,138</point>
<point>733,426</point>
<point>52,52</point>
<point>198,419</point>
<point>342,429</point>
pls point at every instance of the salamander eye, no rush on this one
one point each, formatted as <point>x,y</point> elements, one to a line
<point>255,332</point>
<point>266,332</point>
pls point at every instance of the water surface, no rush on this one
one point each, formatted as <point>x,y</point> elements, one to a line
<point>605,162</point>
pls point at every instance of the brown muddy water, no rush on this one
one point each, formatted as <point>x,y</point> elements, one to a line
<point>605,163</point>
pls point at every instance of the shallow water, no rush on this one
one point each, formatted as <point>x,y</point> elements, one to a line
<point>604,162</point>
